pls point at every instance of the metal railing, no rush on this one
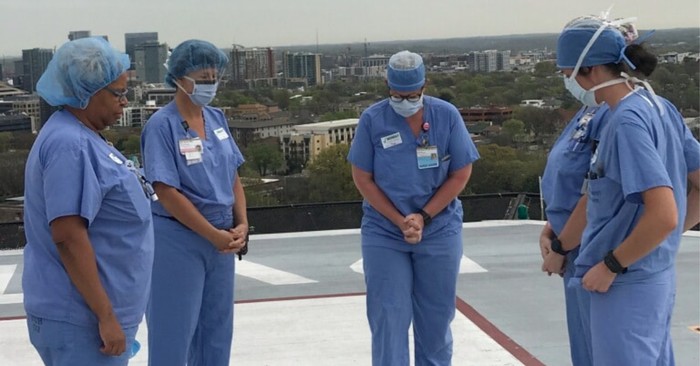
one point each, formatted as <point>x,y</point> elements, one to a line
<point>332,215</point>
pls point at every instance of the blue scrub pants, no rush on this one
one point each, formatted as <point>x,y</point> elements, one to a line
<point>630,324</point>
<point>64,344</point>
<point>578,305</point>
<point>190,312</point>
<point>411,283</point>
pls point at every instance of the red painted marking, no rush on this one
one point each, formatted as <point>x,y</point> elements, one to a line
<point>467,310</point>
<point>501,338</point>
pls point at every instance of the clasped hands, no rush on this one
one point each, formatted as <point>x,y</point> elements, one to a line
<point>552,262</point>
<point>231,240</point>
<point>598,279</point>
<point>412,228</point>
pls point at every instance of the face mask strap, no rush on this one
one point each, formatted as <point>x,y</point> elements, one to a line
<point>181,88</point>
<point>647,86</point>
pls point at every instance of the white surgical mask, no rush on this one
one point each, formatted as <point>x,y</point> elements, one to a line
<point>202,94</point>
<point>406,108</point>
<point>587,97</point>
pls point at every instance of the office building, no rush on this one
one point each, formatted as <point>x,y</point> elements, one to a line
<point>303,66</point>
<point>73,35</point>
<point>148,61</point>
<point>34,62</point>
<point>253,67</point>
<point>489,61</point>
<point>320,136</point>
<point>132,40</point>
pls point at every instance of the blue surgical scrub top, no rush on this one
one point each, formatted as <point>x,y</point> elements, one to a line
<point>639,150</point>
<point>394,166</point>
<point>207,184</point>
<point>567,164</point>
<point>72,171</point>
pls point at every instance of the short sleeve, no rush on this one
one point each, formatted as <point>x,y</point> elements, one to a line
<point>640,166</point>
<point>159,152</point>
<point>70,184</point>
<point>238,155</point>
<point>361,152</point>
<point>691,150</point>
<point>461,147</point>
<point>238,158</point>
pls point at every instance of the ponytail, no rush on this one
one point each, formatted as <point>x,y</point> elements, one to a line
<point>643,60</point>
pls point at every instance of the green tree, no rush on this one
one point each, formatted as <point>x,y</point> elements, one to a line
<point>505,169</point>
<point>513,127</point>
<point>12,178</point>
<point>446,94</point>
<point>331,176</point>
<point>266,158</point>
<point>281,97</point>
<point>132,145</point>
<point>232,98</point>
<point>545,68</point>
<point>5,140</point>
<point>23,140</point>
<point>539,120</point>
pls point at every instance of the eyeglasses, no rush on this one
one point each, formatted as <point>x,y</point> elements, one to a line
<point>121,95</point>
<point>400,98</point>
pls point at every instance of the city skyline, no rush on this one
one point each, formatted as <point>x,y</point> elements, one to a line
<point>278,23</point>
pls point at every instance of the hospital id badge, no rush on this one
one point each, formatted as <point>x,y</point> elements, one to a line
<point>221,134</point>
<point>192,149</point>
<point>391,140</point>
<point>427,157</point>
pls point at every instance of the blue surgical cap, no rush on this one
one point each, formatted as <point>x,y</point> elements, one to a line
<point>193,55</point>
<point>78,70</point>
<point>606,49</point>
<point>405,72</point>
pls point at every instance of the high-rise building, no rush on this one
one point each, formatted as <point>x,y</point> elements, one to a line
<point>489,61</point>
<point>73,35</point>
<point>132,40</point>
<point>148,61</point>
<point>503,60</point>
<point>250,65</point>
<point>34,62</point>
<point>18,73</point>
<point>303,66</point>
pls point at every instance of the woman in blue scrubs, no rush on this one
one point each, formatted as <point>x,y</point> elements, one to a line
<point>89,252</point>
<point>411,156</point>
<point>200,221</point>
<point>562,183</point>
<point>637,202</point>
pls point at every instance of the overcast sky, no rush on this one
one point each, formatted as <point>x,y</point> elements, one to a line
<point>262,23</point>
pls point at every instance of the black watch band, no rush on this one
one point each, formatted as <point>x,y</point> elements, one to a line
<point>613,264</point>
<point>557,248</point>
<point>426,218</point>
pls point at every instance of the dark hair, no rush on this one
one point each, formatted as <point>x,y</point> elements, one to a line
<point>584,70</point>
<point>643,60</point>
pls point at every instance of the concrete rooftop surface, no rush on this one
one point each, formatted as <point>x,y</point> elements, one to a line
<point>300,301</point>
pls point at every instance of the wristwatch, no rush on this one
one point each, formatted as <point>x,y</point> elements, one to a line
<point>613,264</point>
<point>426,217</point>
<point>556,247</point>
